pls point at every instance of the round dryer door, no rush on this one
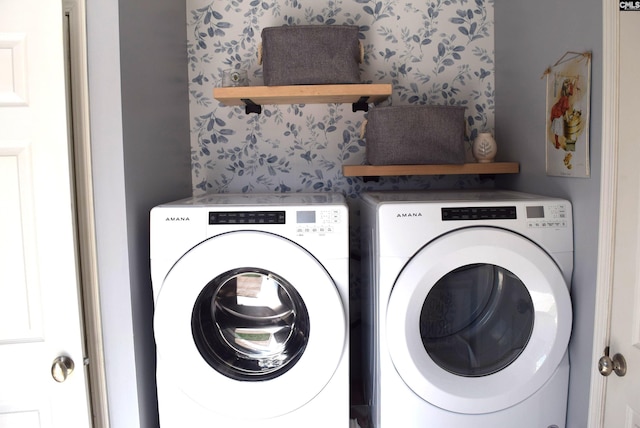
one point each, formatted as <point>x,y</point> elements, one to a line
<point>250,323</point>
<point>478,320</point>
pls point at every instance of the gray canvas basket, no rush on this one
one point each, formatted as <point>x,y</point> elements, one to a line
<point>415,135</point>
<point>310,55</point>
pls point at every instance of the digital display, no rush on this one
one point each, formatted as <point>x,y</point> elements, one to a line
<point>305,217</point>
<point>535,211</point>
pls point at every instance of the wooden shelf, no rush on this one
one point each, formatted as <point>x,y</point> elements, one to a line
<point>357,94</point>
<point>467,168</point>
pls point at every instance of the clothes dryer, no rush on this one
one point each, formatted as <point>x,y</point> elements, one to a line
<point>469,313</point>
<point>251,310</point>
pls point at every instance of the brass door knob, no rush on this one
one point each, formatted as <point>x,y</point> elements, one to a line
<point>607,365</point>
<point>61,368</point>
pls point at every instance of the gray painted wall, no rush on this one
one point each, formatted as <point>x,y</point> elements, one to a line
<point>529,37</point>
<point>140,140</point>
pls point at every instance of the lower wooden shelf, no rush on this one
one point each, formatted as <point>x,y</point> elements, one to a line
<point>467,168</point>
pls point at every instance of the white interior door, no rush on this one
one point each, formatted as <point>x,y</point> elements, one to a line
<point>39,302</point>
<point>622,408</point>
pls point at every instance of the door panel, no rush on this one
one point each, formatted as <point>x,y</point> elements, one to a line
<point>20,293</point>
<point>622,408</point>
<point>39,304</point>
<point>24,420</point>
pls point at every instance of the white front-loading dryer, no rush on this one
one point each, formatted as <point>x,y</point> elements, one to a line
<point>251,310</point>
<point>469,313</point>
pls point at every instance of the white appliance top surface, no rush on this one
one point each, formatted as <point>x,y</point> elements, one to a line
<point>480,195</point>
<point>261,199</point>
<point>406,220</point>
<point>319,222</point>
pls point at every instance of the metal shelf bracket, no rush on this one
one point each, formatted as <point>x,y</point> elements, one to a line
<point>251,107</point>
<point>361,105</point>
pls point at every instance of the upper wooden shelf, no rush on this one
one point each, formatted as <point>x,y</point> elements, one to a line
<point>357,94</point>
<point>467,168</point>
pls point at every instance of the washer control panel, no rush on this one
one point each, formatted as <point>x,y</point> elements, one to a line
<point>247,217</point>
<point>317,221</point>
<point>312,221</point>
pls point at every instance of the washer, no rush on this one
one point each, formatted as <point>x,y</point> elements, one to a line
<point>469,313</point>
<point>251,310</point>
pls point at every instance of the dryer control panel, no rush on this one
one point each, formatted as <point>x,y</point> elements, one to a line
<point>536,216</point>
<point>547,216</point>
<point>479,213</point>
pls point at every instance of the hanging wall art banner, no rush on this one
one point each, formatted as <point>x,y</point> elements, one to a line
<point>567,123</point>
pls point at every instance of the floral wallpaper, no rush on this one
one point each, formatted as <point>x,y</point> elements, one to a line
<point>432,52</point>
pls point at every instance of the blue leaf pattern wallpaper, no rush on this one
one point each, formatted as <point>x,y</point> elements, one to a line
<point>433,52</point>
<point>438,52</point>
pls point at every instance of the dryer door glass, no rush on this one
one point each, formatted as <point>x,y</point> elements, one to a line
<point>250,324</point>
<point>476,320</point>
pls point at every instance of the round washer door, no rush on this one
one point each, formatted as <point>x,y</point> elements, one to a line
<point>478,320</point>
<point>249,323</point>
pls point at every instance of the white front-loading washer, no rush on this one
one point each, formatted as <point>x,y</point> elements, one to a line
<point>251,310</point>
<point>469,313</point>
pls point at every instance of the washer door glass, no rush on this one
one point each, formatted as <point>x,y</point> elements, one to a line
<point>250,324</point>
<point>476,320</point>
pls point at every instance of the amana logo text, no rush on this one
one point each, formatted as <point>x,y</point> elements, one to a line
<point>177,219</point>
<point>399,215</point>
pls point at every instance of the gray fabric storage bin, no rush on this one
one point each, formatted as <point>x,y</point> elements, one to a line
<point>310,55</point>
<point>415,135</point>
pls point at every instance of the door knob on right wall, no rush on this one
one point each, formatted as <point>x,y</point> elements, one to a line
<point>607,365</point>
